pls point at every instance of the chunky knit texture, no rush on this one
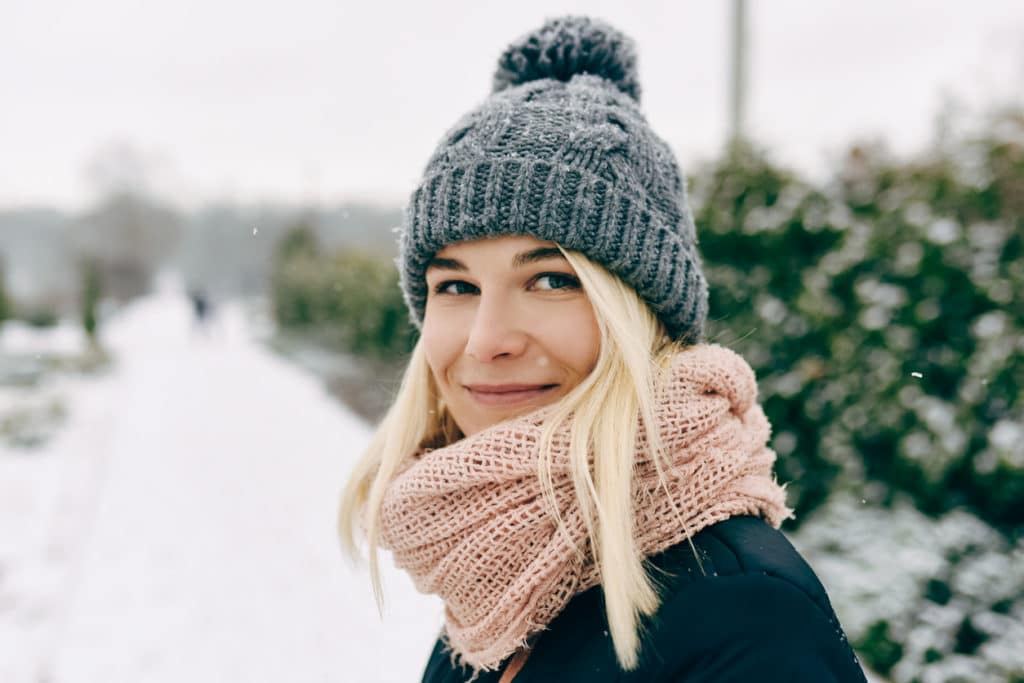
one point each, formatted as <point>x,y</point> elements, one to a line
<point>562,151</point>
<point>469,523</point>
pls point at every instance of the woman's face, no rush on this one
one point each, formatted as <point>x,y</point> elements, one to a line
<point>507,328</point>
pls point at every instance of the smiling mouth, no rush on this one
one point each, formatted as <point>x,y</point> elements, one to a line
<point>507,398</point>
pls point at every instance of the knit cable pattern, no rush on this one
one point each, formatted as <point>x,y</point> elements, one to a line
<point>562,151</point>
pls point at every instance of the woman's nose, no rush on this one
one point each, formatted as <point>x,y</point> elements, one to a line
<point>497,330</point>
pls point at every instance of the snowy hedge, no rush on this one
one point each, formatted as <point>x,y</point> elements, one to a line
<point>883,315</point>
<point>921,599</point>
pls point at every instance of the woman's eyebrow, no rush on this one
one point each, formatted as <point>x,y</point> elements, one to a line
<point>534,255</point>
<point>520,260</point>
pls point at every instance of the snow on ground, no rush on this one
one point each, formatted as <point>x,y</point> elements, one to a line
<point>181,525</point>
<point>64,337</point>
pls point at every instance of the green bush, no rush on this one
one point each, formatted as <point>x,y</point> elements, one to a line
<point>5,303</point>
<point>295,282</point>
<point>348,297</point>
<point>882,314</point>
<point>41,316</point>
<point>90,298</point>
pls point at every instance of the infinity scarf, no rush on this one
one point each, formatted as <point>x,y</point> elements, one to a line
<point>469,523</point>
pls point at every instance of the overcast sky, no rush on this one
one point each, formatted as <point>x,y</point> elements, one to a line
<point>327,100</point>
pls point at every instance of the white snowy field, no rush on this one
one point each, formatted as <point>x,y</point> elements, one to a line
<point>181,524</point>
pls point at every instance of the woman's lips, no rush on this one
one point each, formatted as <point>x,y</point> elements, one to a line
<point>508,398</point>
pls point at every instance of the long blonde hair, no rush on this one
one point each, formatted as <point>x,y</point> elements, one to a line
<point>604,407</point>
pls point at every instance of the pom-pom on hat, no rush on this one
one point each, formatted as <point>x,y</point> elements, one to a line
<point>564,47</point>
<point>560,150</point>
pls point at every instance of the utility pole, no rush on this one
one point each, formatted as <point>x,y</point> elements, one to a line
<point>739,70</point>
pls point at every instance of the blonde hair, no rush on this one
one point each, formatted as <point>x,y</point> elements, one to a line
<point>604,408</point>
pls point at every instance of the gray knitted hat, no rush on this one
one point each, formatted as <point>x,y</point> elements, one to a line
<point>561,151</point>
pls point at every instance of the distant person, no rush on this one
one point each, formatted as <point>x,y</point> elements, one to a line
<point>584,482</point>
<point>202,310</point>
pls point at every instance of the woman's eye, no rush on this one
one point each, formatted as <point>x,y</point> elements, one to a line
<point>445,287</point>
<point>558,281</point>
<point>555,281</point>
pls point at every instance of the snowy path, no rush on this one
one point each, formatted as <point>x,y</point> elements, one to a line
<point>188,528</point>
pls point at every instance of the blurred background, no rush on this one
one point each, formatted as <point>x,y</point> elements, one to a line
<point>200,320</point>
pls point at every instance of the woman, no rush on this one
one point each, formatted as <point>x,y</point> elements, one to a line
<point>584,482</point>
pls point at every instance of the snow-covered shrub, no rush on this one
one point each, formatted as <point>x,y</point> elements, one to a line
<point>31,421</point>
<point>922,600</point>
<point>883,316</point>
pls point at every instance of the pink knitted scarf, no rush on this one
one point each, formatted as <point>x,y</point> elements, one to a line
<point>468,521</point>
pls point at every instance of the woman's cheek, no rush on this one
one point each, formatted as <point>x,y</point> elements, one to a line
<point>579,332</point>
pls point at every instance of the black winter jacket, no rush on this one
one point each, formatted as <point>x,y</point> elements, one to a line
<point>757,612</point>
